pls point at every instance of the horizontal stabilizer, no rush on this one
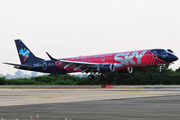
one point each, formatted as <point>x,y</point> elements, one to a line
<point>19,65</point>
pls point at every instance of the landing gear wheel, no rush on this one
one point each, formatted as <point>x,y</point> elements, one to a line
<point>160,67</point>
<point>102,77</point>
<point>160,70</point>
<point>90,77</point>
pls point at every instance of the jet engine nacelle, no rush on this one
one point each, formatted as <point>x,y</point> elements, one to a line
<point>125,70</point>
<point>106,68</point>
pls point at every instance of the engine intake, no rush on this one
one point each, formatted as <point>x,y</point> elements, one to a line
<point>106,68</point>
<point>125,71</point>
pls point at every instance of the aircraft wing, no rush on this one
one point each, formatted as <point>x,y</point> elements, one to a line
<point>19,65</point>
<point>85,66</point>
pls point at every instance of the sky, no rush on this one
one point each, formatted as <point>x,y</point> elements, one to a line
<point>70,28</point>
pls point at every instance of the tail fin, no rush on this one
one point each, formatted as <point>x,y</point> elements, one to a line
<point>25,55</point>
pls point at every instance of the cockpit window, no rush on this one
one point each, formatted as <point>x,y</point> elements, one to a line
<point>163,52</point>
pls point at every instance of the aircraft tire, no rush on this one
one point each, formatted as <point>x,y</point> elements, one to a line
<point>90,77</point>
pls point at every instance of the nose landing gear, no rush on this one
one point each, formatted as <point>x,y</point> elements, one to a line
<point>160,67</point>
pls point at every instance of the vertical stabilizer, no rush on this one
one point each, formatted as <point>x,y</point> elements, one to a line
<point>25,55</point>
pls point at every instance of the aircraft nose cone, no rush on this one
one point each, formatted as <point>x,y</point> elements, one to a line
<point>175,58</point>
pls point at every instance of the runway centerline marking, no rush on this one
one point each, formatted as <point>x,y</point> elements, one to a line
<point>91,95</point>
<point>98,95</point>
<point>139,92</point>
<point>51,97</point>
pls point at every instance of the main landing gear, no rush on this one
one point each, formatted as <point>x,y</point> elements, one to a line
<point>102,77</point>
<point>90,77</point>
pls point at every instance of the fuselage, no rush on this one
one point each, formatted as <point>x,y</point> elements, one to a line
<point>120,60</point>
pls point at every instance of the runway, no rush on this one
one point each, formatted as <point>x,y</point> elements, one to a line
<point>87,104</point>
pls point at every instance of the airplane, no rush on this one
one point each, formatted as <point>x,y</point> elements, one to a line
<point>122,62</point>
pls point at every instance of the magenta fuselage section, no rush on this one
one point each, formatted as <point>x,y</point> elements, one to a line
<point>120,60</point>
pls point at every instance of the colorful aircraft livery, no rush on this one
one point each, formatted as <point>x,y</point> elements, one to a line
<point>122,62</point>
<point>24,53</point>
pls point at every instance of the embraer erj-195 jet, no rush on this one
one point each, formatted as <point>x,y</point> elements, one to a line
<point>122,62</point>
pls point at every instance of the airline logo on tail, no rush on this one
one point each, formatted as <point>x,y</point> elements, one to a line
<point>25,53</point>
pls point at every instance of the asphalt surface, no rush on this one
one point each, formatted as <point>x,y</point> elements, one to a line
<point>155,106</point>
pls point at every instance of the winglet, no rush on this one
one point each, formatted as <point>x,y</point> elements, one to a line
<point>51,57</point>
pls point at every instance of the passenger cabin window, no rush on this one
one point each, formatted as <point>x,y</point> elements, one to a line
<point>154,54</point>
